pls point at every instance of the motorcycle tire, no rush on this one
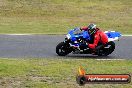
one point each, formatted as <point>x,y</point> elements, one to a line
<point>62,49</point>
<point>107,51</point>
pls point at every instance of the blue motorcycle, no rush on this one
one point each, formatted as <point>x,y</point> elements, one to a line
<point>76,42</point>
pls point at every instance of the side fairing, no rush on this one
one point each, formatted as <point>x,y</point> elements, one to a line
<point>75,33</point>
<point>112,35</point>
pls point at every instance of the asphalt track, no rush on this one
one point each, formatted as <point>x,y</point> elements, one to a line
<point>43,46</point>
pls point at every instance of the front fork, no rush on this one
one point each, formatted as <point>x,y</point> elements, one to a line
<point>74,47</point>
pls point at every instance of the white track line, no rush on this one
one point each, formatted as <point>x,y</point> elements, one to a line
<point>126,35</point>
<point>18,34</point>
<point>109,59</point>
<point>47,34</point>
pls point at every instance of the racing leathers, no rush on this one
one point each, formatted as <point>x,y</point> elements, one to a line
<point>99,38</point>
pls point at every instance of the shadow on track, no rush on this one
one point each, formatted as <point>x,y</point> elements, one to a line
<point>84,56</point>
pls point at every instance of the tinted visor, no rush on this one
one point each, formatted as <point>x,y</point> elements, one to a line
<point>91,31</point>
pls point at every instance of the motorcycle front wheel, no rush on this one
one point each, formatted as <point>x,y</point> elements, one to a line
<point>62,49</point>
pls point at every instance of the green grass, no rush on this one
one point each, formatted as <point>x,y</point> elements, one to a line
<point>57,73</point>
<point>56,16</point>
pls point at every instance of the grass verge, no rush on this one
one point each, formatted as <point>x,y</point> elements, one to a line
<point>56,16</point>
<point>57,73</point>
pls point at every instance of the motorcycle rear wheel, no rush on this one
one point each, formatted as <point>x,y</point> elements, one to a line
<point>107,51</point>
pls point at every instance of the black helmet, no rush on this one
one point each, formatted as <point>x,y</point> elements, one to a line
<point>92,29</point>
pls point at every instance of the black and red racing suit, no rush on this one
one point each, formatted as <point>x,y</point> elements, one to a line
<point>98,37</point>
